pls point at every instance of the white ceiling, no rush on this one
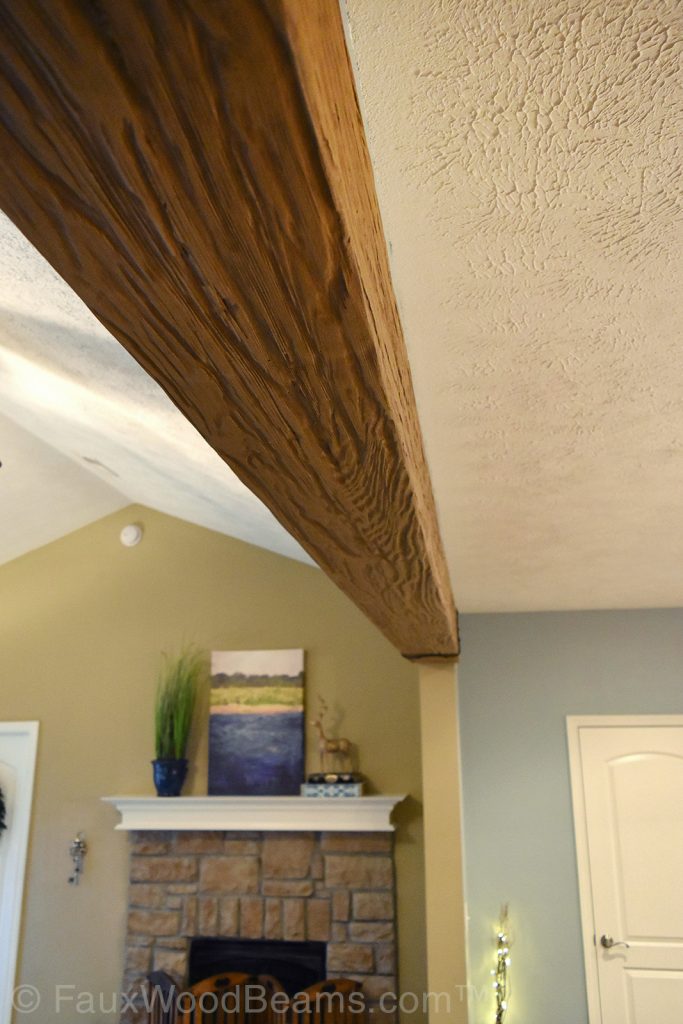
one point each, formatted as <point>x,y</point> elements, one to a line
<point>527,170</point>
<point>528,166</point>
<point>65,379</point>
<point>43,494</point>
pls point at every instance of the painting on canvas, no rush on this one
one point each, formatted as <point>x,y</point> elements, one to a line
<point>256,729</point>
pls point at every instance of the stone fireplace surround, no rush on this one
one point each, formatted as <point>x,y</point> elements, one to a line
<point>334,887</point>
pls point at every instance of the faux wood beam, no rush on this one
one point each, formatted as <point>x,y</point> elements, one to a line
<point>197,171</point>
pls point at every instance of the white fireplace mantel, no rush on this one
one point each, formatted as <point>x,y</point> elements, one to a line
<point>255,814</point>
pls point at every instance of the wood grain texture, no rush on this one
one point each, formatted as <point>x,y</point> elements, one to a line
<point>197,171</point>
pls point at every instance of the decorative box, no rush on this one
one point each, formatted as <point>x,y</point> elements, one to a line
<point>332,789</point>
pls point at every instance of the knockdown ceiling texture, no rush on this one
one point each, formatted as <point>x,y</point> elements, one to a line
<point>528,170</point>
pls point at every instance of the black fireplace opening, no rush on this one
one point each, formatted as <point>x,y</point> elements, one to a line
<point>296,965</point>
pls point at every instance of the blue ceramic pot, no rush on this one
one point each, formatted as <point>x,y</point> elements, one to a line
<point>169,775</point>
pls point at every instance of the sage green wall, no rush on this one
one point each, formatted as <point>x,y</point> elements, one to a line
<point>82,622</point>
<point>519,677</point>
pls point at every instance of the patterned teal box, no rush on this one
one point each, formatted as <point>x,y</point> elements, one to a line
<point>332,789</point>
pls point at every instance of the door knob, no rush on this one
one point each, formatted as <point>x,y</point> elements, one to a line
<point>607,942</point>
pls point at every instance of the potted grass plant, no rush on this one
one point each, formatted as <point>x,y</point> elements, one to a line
<point>176,699</point>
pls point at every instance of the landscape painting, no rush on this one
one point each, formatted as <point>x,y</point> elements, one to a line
<point>256,727</point>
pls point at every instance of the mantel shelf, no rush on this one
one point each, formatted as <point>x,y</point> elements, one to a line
<point>255,814</point>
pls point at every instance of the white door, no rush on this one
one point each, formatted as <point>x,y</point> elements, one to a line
<point>18,743</point>
<point>627,783</point>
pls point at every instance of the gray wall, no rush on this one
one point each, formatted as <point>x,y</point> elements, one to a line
<point>520,675</point>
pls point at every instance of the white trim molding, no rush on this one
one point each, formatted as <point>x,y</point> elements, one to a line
<point>255,814</point>
<point>17,771</point>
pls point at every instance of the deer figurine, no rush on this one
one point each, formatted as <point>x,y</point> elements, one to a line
<point>334,752</point>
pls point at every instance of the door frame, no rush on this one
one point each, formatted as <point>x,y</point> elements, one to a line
<point>574,725</point>
<point>17,835</point>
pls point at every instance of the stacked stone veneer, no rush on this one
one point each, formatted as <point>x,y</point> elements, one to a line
<point>334,887</point>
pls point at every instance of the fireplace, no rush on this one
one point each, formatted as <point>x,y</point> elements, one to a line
<point>194,895</point>
<point>296,965</point>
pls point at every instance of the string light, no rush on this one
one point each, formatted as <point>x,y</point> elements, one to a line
<point>500,973</point>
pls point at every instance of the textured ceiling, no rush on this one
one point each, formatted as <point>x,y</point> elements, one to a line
<point>65,379</point>
<point>528,170</point>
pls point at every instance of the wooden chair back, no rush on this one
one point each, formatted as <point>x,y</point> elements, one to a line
<point>276,1010</point>
<point>328,1002</point>
<point>226,999</point>
<point>221,999</point>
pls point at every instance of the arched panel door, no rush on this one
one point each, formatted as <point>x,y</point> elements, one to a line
<point>628,804</point>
